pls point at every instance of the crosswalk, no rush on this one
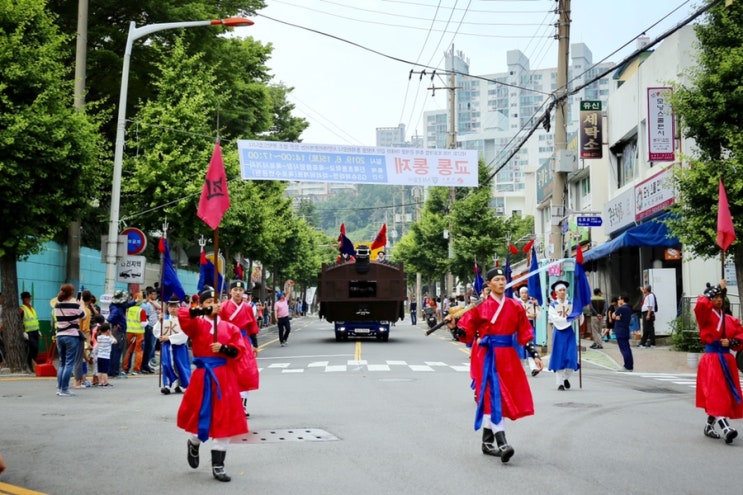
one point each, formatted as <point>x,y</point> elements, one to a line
<point>683,379</point>
<point>353,365</point>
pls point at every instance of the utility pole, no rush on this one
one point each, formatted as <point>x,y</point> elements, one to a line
<point>451,143</point>
<point>559,200</point>
<point>74,229</point>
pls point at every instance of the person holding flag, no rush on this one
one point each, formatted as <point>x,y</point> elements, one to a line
<point>562,313</point>
<point>211,406</point>
<point>239,312</point>
<point>718,386</point>
<point>501,387</point>
<point>174,358</point>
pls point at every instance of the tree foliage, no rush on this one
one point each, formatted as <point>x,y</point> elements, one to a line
<point>50,154</point>
<point>710,106</point>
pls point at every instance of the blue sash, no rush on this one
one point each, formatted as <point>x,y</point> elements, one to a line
<point>205,412</point>
<point>717,347</point>
<point>490,377</point>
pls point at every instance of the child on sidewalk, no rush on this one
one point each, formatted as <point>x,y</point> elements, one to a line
<point>103,350</point>
<point>95,324</point>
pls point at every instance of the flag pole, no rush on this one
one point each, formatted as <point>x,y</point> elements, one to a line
<point>162,303</point>
<point>216,277</point>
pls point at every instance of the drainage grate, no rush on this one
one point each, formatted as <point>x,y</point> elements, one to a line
<point>288,435</point>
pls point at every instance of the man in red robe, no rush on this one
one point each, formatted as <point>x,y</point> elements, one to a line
<point>501,387</point>
<point>211,406</point>
<point>238,311</point>
<point>718,386</point>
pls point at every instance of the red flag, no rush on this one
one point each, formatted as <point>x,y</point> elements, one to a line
<point>343,232</point>
<point>381,240</point>
<point>725,229</point>
<point>527,247</point>
<point>215,199</point>
<point>513,249</point>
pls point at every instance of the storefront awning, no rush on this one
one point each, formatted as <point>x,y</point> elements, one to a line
<point>653,233</point>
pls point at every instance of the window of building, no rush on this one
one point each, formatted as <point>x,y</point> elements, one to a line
<point>627,161</point>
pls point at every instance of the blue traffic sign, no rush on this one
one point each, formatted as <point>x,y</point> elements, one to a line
<point>589,221</point>
<point>137,241</point>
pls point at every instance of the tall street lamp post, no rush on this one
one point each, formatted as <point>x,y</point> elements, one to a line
<point>134,34</point>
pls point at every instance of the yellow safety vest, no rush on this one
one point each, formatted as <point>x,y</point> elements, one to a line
<point>133,323</point>
<point>30,320</point>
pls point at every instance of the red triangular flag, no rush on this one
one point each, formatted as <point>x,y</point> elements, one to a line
<point>528,246</point>
<point>343,232</point>
<point>215,199</point>
<point>725,229</point>
<point>381,240</point>
<point>513,249</point>
<point>579,255</point>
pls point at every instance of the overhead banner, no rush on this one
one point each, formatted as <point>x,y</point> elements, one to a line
<point>271,160</point>
<point>591,129</point>
<point>660,125</point>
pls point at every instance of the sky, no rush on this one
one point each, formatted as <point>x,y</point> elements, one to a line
<point>349,61</point>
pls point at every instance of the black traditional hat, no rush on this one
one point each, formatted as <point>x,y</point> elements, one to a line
<point>239,284</point>
<point>712,291</point>
<point>207,293</point>
<point>495,271</point>
<point>174,300</point>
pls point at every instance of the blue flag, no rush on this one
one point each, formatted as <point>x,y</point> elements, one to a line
<point>534,284</point>
<point>507,269</point>
<point>479,282</point>
<point>206,274</point>
<point>347,246</point>
<point>581,287</point>
<point>170,283</point>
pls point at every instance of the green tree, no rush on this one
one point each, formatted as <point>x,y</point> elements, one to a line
<point>710,106</point>
<point>50,154</point>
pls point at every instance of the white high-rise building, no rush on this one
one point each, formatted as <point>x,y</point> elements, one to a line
<point>494,110</point>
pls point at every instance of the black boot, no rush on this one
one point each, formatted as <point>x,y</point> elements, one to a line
<point>193,453</point>
<point>727,431</point>
<point>709,428</point>
<point>218,465</point>
<point>506,451</point>
<point>488,447</point>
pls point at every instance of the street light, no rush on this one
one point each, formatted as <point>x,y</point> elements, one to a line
<point>134,34</point>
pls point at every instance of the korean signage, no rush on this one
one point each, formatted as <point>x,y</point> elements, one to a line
<point>654,194</point>
<point>660,125</point>
<point>270,160</point>
<point>591,135</point>
<point>545,182</point>
<point>131,270</point>
<point>620,211</point>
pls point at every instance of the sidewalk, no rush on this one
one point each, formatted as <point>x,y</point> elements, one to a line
<point>655,360</point>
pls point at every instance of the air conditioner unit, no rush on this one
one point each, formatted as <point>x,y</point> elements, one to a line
<point>500,209</point>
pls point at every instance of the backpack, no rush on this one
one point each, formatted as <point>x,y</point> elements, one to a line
<point>655,302</point>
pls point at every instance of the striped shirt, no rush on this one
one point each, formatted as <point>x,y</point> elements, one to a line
<point>103,347</point>
<point>68,315</point>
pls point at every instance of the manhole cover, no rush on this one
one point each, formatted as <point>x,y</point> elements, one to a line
<point>286,435</point>
<point>577,405</point>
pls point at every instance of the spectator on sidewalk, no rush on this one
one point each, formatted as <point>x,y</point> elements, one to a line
<point>610,318</point>
<point>649,307</point>
<point>598,317</point>
<point>622,317</point>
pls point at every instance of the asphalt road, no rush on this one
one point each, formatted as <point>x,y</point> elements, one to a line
<point>367,417</point>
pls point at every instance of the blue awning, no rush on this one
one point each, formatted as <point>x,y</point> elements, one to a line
<point>653,233</point>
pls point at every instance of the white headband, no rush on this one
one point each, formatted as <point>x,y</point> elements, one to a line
<point>560,286</point>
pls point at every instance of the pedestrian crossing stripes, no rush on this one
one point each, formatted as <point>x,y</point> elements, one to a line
<point>364,365</point>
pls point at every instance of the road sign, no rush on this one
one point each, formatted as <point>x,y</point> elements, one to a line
<point>136,241</point>
<point>131,270</point>
<point>589,221</point>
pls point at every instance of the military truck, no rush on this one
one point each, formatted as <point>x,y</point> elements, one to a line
<point>362,297</point>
